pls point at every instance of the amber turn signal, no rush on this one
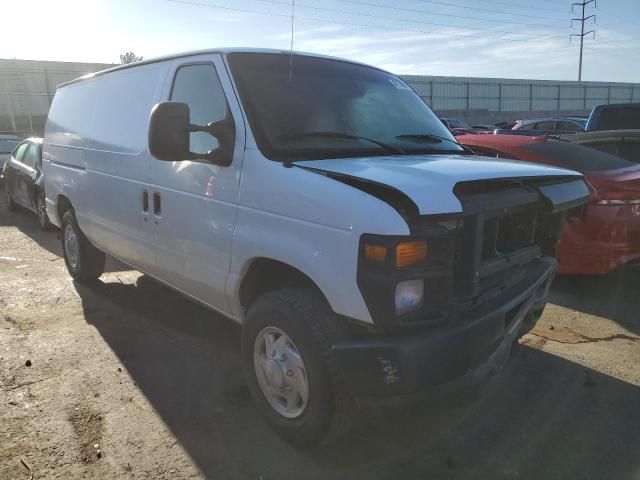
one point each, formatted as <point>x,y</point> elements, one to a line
<point>375,253</point>
<point>409,253</point>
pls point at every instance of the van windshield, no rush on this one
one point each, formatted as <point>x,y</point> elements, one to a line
<point>303,107</point>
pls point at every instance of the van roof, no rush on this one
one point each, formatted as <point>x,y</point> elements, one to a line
<point>202,52</point>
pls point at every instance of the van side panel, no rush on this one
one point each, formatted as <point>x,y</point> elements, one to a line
<point>63,152</point>
<point>97,132</point>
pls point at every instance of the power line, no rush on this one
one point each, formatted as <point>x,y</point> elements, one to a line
<point>415,10</point>
<point>549,1</point>
<point>421,22</point>
<point>355,24</point>
<point>493,12</point>
<point>622,45</point>
<point>511,4</point>
<point>600,51</point>
<point>582,33</point>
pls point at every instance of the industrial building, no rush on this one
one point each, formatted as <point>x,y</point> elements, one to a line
<point>27,88</point>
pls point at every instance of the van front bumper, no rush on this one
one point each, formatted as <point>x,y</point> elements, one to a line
<point>463,354</point>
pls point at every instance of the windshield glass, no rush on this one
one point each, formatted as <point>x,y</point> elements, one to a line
<point>455,123</point>
<point>302,107</point>
<point>577,157</point>
<point>7,145</point>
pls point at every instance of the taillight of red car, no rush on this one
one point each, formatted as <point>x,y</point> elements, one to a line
<point>616,193</point>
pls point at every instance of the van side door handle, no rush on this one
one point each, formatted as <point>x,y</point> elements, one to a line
<point>145,201</point>
<point>157,205</point>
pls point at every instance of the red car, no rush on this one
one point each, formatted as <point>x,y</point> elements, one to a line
<point>609,235</point>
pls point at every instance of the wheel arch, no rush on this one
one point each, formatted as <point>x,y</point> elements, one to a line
<point>62,205</point>
<point>264,274</point>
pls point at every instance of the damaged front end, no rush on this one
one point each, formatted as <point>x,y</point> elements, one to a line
<point>485,277</point>
<point>502,242</point>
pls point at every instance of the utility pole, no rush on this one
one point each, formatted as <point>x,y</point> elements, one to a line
<point>582,33</point>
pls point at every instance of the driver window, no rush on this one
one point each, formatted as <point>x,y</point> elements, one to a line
<point>19,152</point>
<point>199,87</point>
<point>31,157</point>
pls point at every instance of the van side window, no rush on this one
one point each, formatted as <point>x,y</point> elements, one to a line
<point>199,87</point>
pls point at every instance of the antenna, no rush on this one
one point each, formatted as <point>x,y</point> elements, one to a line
<point>582,33</point>
<point>287,163</point>
<point>293,16</point>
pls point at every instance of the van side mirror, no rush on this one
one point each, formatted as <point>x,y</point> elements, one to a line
<point>169,131</point>
<point>169,135</point>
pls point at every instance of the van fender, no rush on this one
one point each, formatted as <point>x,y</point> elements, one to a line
<point>327,255</point>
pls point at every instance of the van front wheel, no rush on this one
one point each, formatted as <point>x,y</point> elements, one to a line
<point>85,262</point>
<point>291,374</point>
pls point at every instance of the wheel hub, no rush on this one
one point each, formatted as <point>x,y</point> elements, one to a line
<point>274,373</point>
<point>280,372</point>
<point>71,246</point>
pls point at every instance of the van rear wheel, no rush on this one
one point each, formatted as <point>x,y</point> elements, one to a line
<point>85,262</point>
<point>291,374</point>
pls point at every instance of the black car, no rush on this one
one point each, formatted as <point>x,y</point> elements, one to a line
<point>23,180</point>
<point>616,116</point>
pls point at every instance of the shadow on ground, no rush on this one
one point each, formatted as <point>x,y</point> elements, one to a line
<point>27,223</point>
<point>544,417</point>
<point>615,296</point>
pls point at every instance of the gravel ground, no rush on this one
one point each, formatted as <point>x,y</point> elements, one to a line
<point>128,379</point>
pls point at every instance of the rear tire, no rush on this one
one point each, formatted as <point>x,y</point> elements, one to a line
<point>305,318</point>
<point>43,218</point>
<point>85,262</point>
<point>11,205</point>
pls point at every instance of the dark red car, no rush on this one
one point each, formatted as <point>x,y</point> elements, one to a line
<point>609,235</point>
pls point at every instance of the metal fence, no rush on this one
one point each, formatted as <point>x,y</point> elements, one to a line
<point>504,95</point>
<point>27,88</point>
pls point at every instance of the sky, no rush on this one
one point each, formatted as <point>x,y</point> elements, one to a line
<point>473,38</point>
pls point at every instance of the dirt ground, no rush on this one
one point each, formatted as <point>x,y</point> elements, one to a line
<point>130,380</point>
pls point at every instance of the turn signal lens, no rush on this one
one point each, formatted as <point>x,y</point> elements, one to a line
<point>409,253</point>
<point>375,253</point>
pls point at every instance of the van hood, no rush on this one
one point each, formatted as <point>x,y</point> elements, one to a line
<point>429,180</point>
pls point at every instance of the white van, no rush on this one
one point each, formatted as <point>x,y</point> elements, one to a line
<point>321,204</point>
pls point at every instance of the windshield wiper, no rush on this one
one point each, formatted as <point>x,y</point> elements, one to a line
<point>328,134</point>
<point>430,138</point>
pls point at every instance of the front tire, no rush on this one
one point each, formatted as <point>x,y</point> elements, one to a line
<point>85,262</point>
<point>290,371</point>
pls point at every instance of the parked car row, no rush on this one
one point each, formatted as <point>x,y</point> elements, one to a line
<point>617,116</point>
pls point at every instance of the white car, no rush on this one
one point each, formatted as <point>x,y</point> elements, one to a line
<point>321,204</point>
